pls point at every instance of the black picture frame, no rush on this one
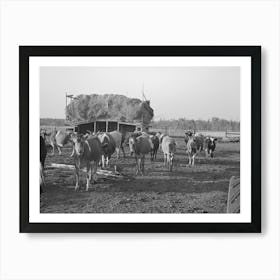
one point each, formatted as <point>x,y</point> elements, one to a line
<point>25,52</point>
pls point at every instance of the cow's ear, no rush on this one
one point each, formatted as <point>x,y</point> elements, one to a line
<point>215,139</point>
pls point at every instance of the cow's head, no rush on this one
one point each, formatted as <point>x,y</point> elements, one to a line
<point>213,141</point>
<point>78,142</point>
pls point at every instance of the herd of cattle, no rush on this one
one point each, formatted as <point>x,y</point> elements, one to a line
<point>93,149</point>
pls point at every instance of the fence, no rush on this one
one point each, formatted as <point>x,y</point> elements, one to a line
<point>230,133</point>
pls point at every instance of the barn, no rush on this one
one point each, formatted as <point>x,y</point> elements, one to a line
<point>106,126</point>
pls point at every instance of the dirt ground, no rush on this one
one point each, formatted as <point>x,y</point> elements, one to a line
<point>199,189</point>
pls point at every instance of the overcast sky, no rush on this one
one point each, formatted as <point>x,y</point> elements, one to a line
<point>175,92</point>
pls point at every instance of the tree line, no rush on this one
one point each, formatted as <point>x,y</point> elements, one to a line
<point>214,124</point>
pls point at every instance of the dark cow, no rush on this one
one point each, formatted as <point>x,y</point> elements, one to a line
<point>89,151</point>
<point>43,154</point>
<point>155,141</point>
<point>210,146</point>
<point>140,145</point>
<point>43,151</point>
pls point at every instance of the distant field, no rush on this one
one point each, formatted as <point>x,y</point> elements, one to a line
<point>199,189</point>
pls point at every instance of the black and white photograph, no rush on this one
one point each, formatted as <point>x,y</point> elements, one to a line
<point>139,139</point>
<point>143,138</point>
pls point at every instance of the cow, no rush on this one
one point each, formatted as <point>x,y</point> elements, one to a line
<point>89,151</point>
<point>59,138</point>
<point>155,141</point>
<point>210,146</point>
<point>168,147</point>
<point>43,154</point>
<point>119,139</point>
<point>42,179</point>
<point>199,140</point>
<point>140,145</point>
<point>197,137</point>
<point>192,149</point>
<point>108,146</point>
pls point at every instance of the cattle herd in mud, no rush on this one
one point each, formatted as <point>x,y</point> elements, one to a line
<point>93,149</point>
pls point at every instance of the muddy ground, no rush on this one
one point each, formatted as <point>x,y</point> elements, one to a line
<point>199,189</point>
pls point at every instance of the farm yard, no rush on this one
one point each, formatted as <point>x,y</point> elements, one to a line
<point>199,189</point>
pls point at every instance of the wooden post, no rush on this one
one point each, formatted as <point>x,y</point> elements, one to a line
<point>233,201</point>
<point>118,126</point>
<point>106,126</point>
<point>94,127</point>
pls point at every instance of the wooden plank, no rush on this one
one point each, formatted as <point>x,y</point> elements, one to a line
<point>233,202</point>
<point>72,167</point>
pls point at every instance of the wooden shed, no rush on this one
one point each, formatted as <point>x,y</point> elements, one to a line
<point>106,126</point>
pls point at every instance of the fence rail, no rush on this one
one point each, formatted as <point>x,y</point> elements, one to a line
<point>230,133</point>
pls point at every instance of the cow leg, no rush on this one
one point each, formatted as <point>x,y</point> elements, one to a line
<point>143,164</point>
<point>123,151</point>
<point>77,173</point>
<point>88,175</point>
<point>193,160</point>
<point>206,153</point>
<point>137,165</point>
<point>118,152</point>
<point>107,161</point>
<point>73,152</point>
<point>211,154</point>
<point>103,161</point>
<point>190,160</point>
<point>59,150</point>
<point>52,149</point>
<point>94,171</point>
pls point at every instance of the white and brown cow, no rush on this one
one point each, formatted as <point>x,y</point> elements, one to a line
<point>88,151</point>
<point>195,144</point>
<point>108,146</point>
<point>191,150</point>
<point>58,139</point>
<point>168,146</point>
